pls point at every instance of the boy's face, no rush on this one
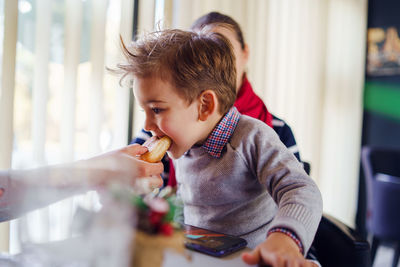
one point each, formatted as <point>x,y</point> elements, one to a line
<point>167,113</point>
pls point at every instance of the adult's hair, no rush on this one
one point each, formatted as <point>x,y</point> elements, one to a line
<point>191,62</point>
<point>218,19</point>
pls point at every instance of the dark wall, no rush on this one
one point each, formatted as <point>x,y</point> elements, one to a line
<point>381,122</point>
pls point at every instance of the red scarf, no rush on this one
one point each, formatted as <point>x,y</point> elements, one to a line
<point>247,103</point>
<point>250,104</point>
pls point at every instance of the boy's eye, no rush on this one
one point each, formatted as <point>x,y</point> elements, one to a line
<point>156,110</point>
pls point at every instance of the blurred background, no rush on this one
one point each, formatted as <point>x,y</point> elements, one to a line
<point>329,68</point>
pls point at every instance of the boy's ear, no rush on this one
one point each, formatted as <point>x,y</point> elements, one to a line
<point>208,104</point>
<point>246,52</point>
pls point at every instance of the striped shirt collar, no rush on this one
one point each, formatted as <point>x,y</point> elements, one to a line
<point>221,134</point>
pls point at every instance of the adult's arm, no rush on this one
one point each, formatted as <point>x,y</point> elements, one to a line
<point>26,190</point>
<point>286,135</point>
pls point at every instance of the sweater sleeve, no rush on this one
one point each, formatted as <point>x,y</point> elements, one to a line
<point>286,135</point>
<point>297,197</point>
<point>141,137</point>
<point>18,197</point>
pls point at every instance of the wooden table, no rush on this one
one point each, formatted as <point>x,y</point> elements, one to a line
<point>202,260</point>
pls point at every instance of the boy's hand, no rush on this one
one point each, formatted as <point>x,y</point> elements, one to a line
<point>278,250</point>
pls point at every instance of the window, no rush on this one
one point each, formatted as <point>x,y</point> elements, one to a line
<point>67,106</point>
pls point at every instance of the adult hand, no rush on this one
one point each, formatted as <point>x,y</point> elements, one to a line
<point>123,165</point>
<point>279,250</point>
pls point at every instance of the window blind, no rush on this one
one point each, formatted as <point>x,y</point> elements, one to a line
<point>63,105</point>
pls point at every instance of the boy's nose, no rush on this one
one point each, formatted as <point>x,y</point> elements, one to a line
<point>149,125</point>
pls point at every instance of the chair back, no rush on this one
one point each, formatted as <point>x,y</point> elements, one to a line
<point>382,173</point>
<point>335,244</point>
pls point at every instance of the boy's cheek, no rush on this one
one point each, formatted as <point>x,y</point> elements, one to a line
<point>172,132</point>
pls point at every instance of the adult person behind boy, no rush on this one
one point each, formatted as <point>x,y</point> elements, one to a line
<point>247,102</point>
<point>45,185</point>
<point>234,174</point>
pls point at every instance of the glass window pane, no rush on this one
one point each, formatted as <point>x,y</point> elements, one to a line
<point>44,81</point>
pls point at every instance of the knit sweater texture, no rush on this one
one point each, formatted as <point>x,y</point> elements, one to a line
<point>256,185</point>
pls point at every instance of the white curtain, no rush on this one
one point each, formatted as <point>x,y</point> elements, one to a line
<point>63,105</point>
<point>307,64</point>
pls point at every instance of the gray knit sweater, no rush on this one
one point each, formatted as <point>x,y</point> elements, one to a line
<point>257,184</point>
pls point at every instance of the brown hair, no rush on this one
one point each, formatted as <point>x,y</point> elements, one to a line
<point>191,62</point>
<point>218,19</point>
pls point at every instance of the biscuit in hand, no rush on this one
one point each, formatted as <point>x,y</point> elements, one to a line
<point>157,147</point>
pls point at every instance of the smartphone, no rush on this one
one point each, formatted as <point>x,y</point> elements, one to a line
<point>212,243</point>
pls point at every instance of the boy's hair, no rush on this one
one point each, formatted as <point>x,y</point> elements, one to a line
<point>191,62</point>
<point>217,19</point>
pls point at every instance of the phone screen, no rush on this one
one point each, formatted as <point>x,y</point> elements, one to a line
<point>212,243</point>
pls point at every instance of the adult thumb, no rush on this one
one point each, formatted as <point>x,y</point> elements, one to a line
<point>135,149</point>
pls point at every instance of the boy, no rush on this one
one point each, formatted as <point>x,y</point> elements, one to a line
<point>247,102</point>
<point>233,173</point>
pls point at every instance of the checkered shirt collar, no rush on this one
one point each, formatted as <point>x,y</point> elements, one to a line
<point>221,134</point>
